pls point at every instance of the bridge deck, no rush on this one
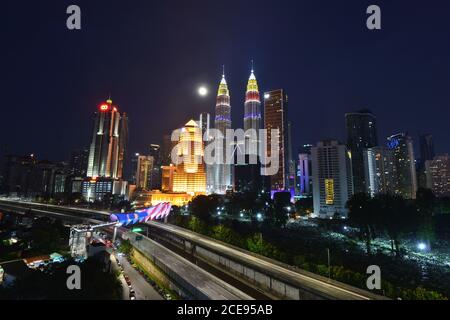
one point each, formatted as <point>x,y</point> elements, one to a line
<point>206,284</point>
<point>320,285</point>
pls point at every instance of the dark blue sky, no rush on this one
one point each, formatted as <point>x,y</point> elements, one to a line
<point>151,56</point>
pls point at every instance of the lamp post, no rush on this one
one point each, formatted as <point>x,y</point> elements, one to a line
<point>329,264</point>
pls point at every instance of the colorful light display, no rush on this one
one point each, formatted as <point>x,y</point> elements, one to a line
<point>157,212</point>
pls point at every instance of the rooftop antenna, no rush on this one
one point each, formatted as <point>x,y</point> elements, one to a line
<point>252,66</point>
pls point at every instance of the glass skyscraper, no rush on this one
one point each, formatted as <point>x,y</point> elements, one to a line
<point>361,134</point>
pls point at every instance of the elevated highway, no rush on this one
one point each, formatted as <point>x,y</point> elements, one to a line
<point>266,275</point>
<point>193,281</point>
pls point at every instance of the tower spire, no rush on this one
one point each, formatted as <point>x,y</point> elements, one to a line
<point>223,87</point>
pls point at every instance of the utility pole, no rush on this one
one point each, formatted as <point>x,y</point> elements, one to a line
<point>329,264</point>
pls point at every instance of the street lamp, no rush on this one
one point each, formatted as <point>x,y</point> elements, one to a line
<point>421,246</point>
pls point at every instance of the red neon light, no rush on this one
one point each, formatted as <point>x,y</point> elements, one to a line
<point>104,107</point>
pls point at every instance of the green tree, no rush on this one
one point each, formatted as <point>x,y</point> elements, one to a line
<point>197,225</point>
<point>361,213</point>
<point>225,234</point>
<point>125,247</point>
<point>395,216</point>
<point>257,245</point>
<point>202,207</point>
<point>47,234</point>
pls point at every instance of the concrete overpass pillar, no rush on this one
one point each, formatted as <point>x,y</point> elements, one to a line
<point>114,234</point>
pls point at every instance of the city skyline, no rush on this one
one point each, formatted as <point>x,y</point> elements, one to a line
<point>322,86</point>
<point>248,151</point>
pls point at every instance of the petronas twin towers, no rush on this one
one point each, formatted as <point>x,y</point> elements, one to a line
<point>221,179</point>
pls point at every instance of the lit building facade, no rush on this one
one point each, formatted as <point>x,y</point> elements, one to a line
<point>361,134</point>
<point>106,154</point>
<point>275,117</point>
<point>108,142</point>
<point>190,175</point>
<point>438,175</point>
<point>379,170</point>
<point>145,199</point>
<point>304,172</point>
<point>332,179</point>
<point>204,123</point>
<point>144,172</point>
<point>222,176</point>
<point>168,173</point>
<point>404,165</point>
<point>155,176</point>
<point>79,163</point>
<point>97,189</point>
<point>252,114</point>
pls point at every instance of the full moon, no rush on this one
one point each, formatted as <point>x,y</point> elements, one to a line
<point>202,91</point>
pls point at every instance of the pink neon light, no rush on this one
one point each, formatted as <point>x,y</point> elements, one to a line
<point>161,211</point>
<point>153,215</point>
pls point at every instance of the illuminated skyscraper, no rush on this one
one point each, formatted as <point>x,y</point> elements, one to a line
<point>247,175</point>
<point>108,143</point>
<point>144,171</point>
<point>155,177</point>
<point>190,175</point>
<point>222,171</point>
<point>252,113</point>
<point>332,179</point>
<point>438,175</point>
<point>304,173</point>
<point>404,165</point>
<point>275,117</point>
<point>379,170</point>
<point>106,154</point>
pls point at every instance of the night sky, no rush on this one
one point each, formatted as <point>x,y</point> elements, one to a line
<point>152,55</point>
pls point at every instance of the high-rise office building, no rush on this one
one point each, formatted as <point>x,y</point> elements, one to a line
<point>222,170</point>
<point>155,177</point>
<point>168,173</point>
<point>144,172</point>
<point>190,175</point>
<point>247,175</point>
<point>252,114</point>
<point>304,172</point>
<point>132,179</point>
<point>332,179</point>
<point>438,175</point>
<point>204,123</point>
<point>426,147</point>
<point>79,163</point>
<point>292,176</point>
<point>275,118</point>
<point>361,134</point>
<point>379,170</point>
<point>108,143</point>
<point>426,153</point>
<point>404,165</point>
<point>106,154</point>
<point>166,149</point>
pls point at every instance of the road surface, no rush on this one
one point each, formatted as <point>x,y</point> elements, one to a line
<point>143,289</point>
